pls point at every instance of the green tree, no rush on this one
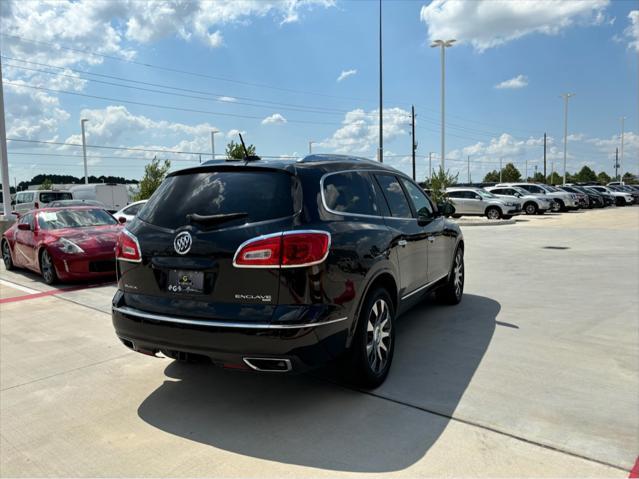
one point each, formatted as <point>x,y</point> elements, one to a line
<point>492,177</point>
<point>555,179</point>
<point>46,184</point>
<point>154,174</point>
<point>441,180</point>
<point>234,151</point>
<point>510,173</point>
<point>604,178</point>
<point>585,174</point>
<point>629,178</point>
<point>538,178</point>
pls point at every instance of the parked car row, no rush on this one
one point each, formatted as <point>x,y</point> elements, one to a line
<point>505,200</point>
<point>110,196</point>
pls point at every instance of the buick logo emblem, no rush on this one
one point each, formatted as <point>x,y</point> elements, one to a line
<point>183,242</point>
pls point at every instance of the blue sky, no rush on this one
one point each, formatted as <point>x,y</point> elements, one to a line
<point>271,68</point>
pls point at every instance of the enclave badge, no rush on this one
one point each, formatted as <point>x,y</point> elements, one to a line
<point>183,242</point>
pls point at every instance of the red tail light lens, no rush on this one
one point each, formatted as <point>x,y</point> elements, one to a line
<point>290,249</point>
<point>127,247</point>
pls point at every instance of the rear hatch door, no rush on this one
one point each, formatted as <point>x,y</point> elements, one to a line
<point>188,233</point>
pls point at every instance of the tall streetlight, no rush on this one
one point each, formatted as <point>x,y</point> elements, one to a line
<point>84,151</point>
<point>6,181</point>
<point>566,96</point>
<point>380,148</point>
<point>443,44</point>
<point>621,158</point>
<point>213,132</point>
<point>310,147</point>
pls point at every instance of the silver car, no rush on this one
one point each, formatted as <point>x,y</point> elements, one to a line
<point>478,202</point>
<point>565,201</point>
<point>532,204</point>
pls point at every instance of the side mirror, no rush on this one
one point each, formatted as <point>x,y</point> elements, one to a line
<point>477,197</point>
<point>445,209</point>
<point>24,226</point>
<point>121,220</point>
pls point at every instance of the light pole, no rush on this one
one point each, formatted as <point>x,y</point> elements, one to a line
<point>443,44</point>
<point>566,96</point>
<point>621,157</point>
<point>380,149</point>
<point>6,180</point>
<point>310,147</point>
<point>213,132</point>
<point>500,168</point>
<point>430,166</point>
<point>84,151</point>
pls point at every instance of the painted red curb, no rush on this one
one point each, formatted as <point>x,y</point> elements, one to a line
<point>635,470</point>
<point>52,292</point>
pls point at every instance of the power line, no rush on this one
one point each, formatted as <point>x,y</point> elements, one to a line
<point>175,70</point>
<point>214,96</point>
<point>126,148</point>
<point>166,107</point>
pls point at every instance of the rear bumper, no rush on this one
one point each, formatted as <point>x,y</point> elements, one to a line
<point>228,344</point>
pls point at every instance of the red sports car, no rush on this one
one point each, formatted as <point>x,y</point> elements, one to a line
<point>63,243</point>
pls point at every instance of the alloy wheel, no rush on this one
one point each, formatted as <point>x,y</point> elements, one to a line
<point>493,214</point>
<point>47,267</point>
<point>458,280</point>
<point>378,336</point>
<point>530,209</point>
<point>6,254</point>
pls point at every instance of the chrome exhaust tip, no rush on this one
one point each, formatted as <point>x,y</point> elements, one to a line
<point>269,365</point>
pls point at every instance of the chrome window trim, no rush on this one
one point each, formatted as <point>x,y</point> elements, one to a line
<point>219,324</point>
<point>421,288</point>
<point>360,215</point>
<point>287,266</point>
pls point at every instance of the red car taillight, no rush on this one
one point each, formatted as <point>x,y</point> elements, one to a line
<point>290,249</point>
<point>127,247</point>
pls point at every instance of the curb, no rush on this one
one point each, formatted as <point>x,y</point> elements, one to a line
<point>511,221</point>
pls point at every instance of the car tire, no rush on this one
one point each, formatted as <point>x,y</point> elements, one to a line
<point>453,290</point>
<point>561,206</point>
<point>456,216</point>
<point>371,353</point>
<point>506,217</point>
<point>47,268</point>
<point>493,213</point>
<point>6,256</point>
<point>531,208</point>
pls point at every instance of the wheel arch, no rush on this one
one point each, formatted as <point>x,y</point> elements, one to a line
<point>383,278</point>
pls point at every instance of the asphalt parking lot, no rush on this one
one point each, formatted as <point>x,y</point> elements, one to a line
<point>536,373</point>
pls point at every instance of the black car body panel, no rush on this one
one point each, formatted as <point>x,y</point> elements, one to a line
<point>303,314</point>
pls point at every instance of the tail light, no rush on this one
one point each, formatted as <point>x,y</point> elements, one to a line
<point>290,249</point>
<point>127,247</point>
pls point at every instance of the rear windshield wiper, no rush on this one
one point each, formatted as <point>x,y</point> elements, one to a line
<point>214,219</point>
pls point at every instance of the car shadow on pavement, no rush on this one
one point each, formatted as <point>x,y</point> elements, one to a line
<point>310,421</point>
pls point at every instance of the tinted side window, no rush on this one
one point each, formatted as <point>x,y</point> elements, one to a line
<point>133,210</point>
<point>455,194</point>
<point>27,220</point>
<point>350,192</point>
<point>420,201</point>
<point>49,197</point>
<point>395,196</point>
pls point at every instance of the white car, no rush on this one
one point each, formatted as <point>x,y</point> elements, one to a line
<point>531,204</point>
<point>130,211</point>
<point>478,202</point>
<point>621,198</point>
<point>565,201</point>
<point>33,199</point>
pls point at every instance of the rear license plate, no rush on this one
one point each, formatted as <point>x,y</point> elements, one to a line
<point>184,281</point>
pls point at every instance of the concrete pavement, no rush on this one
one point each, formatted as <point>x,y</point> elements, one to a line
<point>536,373</point>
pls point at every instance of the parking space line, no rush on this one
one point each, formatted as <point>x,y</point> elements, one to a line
<point>52,292</point>
<point>17,286</point>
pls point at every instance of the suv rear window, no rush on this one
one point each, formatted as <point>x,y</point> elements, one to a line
<point>49,197</point>
<point>262,195</point>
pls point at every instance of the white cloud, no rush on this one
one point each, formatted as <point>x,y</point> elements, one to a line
<point>115,125</point>
<point>489,23</point>
<point>632,31</point>
<point>227,99</point>
<point>360,130</point>
<point>345,74</point>
<point>520,81</point>
<point>274,119</point>
<point>630,142</point>
<point>576,137</point>
<point>233,134</point>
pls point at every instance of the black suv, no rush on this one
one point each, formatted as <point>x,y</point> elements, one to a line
<point>281,266</point>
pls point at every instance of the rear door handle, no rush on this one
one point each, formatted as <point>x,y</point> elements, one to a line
<point>402,242</point>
